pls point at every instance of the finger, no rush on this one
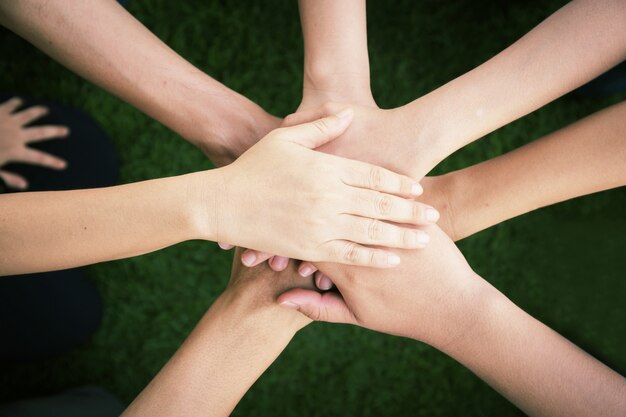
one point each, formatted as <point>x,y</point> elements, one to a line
<point>329,306</point>
<point>323,282</point>
<point>318,132</point>
<point>35,157</point>
<point>379,233</point>
<point>253,258</point>
<point>40,133</point>
<point>13,180</point>
<point>350,253</point>
<point>306,269</point>
<point>11,105</point>
<point>377,205</point>
<point>278,263</point>
<point>30,114</point>
<point>362,175</point>
<point>225,246</point>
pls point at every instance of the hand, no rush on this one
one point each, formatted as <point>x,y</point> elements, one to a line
<point>15,137</point>
<point>224,140</point>
<point>315,206</point>
<point>386,138</point>
<point>433,296</point>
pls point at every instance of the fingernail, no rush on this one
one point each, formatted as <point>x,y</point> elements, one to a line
<point>393,260</point>
<point>305,271</point>
<point>65,132</point>
<point>416,190</point>
<point>280,262</point>
<point>432,215</point>
<point>423,238</point>
<point>290,305</point>
<point>325,284</point>
<point>61,164</point>
<point>248,258</point>
<point>224,246</point>
<point>345,113</point>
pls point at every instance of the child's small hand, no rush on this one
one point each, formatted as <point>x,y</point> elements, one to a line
<point>15,136</point>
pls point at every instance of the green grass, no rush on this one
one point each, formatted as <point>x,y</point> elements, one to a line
<point>564,265</point>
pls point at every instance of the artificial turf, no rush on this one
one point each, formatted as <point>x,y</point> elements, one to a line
<point>564,265</point>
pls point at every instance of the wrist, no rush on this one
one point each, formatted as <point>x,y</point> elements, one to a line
<point>219,121</point>
<point>325,81</point>
<point>468,312</point>
<point>205,196</point>
<point>257,312</point>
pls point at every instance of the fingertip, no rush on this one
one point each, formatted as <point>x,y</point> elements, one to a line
<point>416,190</point>
<point>279,263</point>
<point>248,259</point>
<point>431,214</point>
<point>305,270</point>
<point>393,259</point>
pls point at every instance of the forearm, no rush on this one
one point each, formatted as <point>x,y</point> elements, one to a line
<point>577,43</point>
<point>336,63</point>
<point>226,353</point>
<point>63,229</point>
<point>580,159</point>
<point>536,368</point>
<point>102,42</point>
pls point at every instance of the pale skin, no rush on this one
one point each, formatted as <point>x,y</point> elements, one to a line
<point>540,67</point>
<point>335,206</point>
<point>436,298</point>
<point>91,38</point>
<point>583,158</point>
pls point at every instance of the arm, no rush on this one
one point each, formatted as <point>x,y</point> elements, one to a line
<point>577,43</point>
<point>574,45</point>
<point>436,298</point>
<point>240,336</point>
<point>336,64</point>
<point>62,229</point>
<point>93,39</point>
<point>331,209</point>
<point>581,159</point>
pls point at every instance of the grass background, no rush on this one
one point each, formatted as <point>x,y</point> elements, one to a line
<point>564,265</point>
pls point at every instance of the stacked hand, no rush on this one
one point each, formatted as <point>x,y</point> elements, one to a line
<point>345,205</point>
<point>15,135</point>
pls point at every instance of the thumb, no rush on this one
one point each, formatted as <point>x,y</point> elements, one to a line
<point>327,306</point>
<point>320,131</point>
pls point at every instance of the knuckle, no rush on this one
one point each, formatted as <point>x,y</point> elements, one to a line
<point>384,204</point>
<point>374,230</point>
<point>418,212</point>
<point>321,125</point>
<point>351,253</point>
<point>375,178</point>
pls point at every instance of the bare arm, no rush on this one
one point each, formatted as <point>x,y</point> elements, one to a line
<point>62,229</point>
<point>321,217</point>
<point>243,332</point>
<point>102,42</point>
<point>435,297</point>
<point>583,158</point>
<point>574,45</point>
<point>336,63</point>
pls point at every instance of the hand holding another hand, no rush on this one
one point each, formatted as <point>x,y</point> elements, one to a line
<point>302,204</point>
<point>433,296</point>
